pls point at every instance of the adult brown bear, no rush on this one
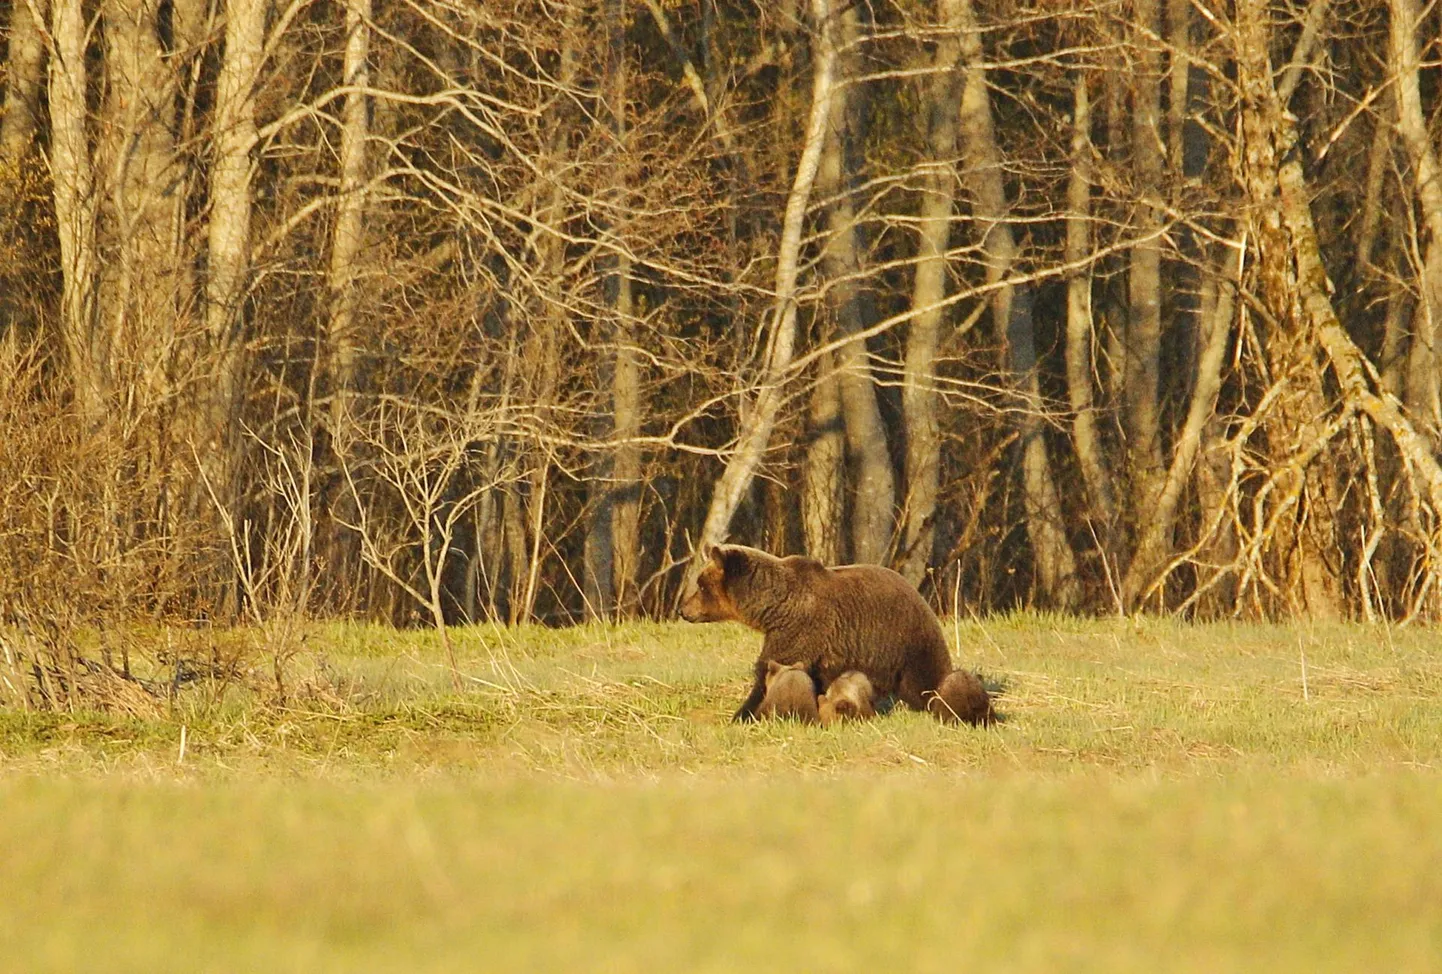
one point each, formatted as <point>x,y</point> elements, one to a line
<point>855,617</point>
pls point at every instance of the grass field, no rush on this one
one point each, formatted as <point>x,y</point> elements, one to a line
<point>1160,797</point>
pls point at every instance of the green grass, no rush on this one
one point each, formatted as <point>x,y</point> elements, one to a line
<point>1161,797</point>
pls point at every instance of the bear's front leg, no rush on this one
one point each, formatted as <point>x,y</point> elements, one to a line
<point>747,711</point>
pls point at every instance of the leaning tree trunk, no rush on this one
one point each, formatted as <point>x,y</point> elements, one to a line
<point>760,417</point>
<point>1012,314</point>
<point>928,292</point>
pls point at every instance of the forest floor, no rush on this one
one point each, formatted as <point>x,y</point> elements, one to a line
<point>1161,796</point>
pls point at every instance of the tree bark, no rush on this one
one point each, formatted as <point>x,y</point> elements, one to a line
<point>918,393</point>
<point>1012,315</point>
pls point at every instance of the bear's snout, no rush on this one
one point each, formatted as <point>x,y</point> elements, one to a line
<point>694,607</point>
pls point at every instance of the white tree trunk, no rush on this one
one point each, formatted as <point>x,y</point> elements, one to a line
<point>758,420</point>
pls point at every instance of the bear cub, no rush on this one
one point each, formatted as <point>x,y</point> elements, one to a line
<point>961,698</point>
<point>850,697</point>
<point>789,693</point>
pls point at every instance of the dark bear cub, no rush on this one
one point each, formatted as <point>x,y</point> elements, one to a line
<point>831,620</point>
<point>789,693</point>
<point>962,698</point>
<point>850,697</point>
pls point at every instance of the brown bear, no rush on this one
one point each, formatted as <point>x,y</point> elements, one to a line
<point>850,697</point>
<point>830,620</point>
<point>789,693</point>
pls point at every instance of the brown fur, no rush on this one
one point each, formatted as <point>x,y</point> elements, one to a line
<point>962,698</point>
<point>789,693</point>
<point>850,697</point>
<point>828,620</point>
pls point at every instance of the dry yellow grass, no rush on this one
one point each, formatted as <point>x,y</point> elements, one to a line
<point>1161,797</point>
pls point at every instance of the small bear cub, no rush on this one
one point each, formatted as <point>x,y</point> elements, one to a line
<point>789,693</point>
<point>850,697</point>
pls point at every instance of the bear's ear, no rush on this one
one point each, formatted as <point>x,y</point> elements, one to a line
<point>735,560</point>
<point>773,667</point>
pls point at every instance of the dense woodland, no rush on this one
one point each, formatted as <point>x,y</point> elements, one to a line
<point>439,311</point>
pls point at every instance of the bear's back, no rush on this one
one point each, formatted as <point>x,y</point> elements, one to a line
<point>869,618</point>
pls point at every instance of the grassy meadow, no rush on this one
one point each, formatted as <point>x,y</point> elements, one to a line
<point>1160,797</point>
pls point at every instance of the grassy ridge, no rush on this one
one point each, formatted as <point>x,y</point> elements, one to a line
<point>1160,796</point>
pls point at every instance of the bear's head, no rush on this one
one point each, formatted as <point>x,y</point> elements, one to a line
<point>747,585</point>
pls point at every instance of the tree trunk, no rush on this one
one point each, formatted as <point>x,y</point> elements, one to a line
<point>626,474</point>
<point>1012,314</point>
<point>74,182</point>
<point>228,259</point>
<point>755,431</point>
<point>139,283</point>
<point>349,235</point>
<point>823,501</point>
<point>1424,395</point>
<point>1080,332</point>
<point>1144,314</point>
<point>23,73</point>
<point>625,482</point>
<point>874,499</point>
<point>1217,547</point>
<point>918,392</point>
